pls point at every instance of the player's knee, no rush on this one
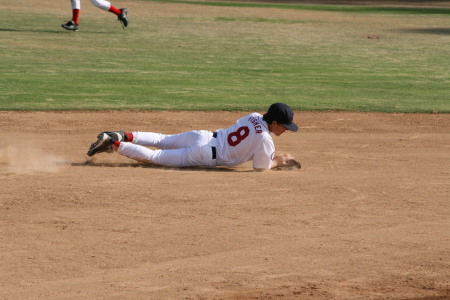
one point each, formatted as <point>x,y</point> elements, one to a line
<point>95,3</point>
<point>101,4</point>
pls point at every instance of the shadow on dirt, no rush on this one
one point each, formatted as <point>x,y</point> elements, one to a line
<point>429,298</point>
<point>151,166</point>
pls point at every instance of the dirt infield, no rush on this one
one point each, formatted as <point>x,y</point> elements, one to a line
<point>366,218</point>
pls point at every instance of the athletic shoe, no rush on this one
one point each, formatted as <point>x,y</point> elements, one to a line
<point>103,144</point>
<point>70,26</point>
<point>118,136</point>
<point>123,19</point>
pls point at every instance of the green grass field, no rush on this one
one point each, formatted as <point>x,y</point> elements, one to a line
<point>338,8</point>
<point>227,60</point>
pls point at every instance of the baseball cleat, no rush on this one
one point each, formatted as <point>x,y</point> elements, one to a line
<point>123,19</point>
<point>103,144</point>
<point>70,26</point>
<point>118,136</point>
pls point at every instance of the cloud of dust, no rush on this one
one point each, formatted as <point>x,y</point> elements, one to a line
<point>28,159</point>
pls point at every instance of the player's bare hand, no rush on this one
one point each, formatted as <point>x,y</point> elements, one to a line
<point>280,159</point>
<point>285,162</point>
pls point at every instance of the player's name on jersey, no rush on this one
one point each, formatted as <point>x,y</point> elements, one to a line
<point>256,124</point>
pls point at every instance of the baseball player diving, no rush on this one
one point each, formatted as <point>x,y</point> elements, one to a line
<point>102,4</point>
<point>248,139</point>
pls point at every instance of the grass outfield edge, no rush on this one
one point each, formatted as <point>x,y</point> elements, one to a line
<point>257,108</point>
<point>333,8</point>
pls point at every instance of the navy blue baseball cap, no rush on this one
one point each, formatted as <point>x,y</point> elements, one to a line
<point>283,114</point>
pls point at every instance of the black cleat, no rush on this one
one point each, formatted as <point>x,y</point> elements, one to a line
<point>103,144</point>
<point>123,19</point>
<point>70,26</point>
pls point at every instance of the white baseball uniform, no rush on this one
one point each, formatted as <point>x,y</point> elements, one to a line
<point>105,5</point>
<point>248,139</point>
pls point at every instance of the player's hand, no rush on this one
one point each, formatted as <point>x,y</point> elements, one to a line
<point>280,159</point>
<point>285,162</point>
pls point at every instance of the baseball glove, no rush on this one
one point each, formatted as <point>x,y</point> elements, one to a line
<point>290,165</point>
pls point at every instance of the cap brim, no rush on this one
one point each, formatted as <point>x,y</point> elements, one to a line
<point>291,127</point>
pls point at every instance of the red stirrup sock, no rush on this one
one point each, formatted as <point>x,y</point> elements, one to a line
<point>129,137</point>
<point>116,145</point>
<point>75,15</point>
<point>114,10</point>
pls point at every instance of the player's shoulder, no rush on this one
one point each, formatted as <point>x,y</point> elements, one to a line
<point>251,117</point>
<point>247,117</point>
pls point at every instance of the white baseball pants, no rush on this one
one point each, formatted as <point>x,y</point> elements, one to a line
<point>187,149</point>
<point>105,5</point>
